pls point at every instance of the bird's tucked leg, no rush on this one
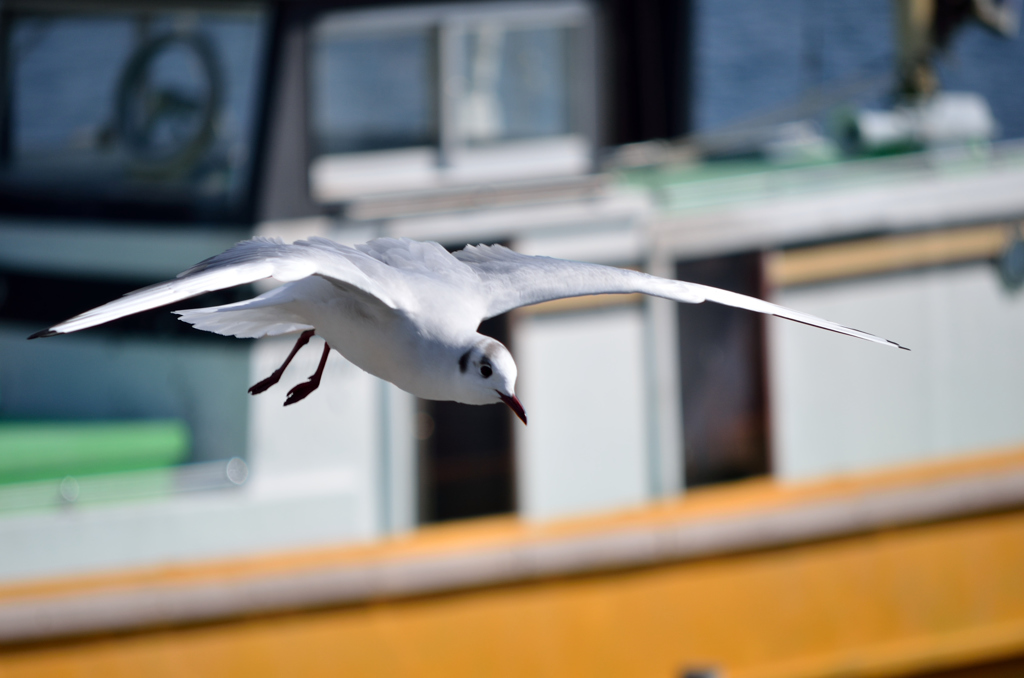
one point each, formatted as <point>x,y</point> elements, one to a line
<point>276,376</point>
<point>307,387</point>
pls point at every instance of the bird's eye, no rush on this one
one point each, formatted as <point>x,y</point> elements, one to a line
<point>485,370</point>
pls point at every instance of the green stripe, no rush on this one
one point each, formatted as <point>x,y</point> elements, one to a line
<point>38,450</point>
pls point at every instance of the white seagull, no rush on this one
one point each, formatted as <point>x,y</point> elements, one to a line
<point>402,310</point>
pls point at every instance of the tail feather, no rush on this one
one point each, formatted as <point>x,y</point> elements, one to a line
<point>267,315</point>
<point>246,323</point>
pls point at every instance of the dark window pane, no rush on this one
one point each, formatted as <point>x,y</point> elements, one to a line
<point>515,83</point>
<point>150,107</point>
<point>723,375</point>
<point>373,91</point>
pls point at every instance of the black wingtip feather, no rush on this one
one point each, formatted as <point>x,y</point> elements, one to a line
<point>44,333</point>
<point>890,342</point>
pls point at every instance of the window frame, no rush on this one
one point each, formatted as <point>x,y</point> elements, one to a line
<point>128,208</point>
<point>455,161</point>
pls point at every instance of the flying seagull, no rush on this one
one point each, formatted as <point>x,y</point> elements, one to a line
<point>402,310</point>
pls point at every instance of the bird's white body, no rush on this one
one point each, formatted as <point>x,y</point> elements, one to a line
<point>372,336</point>
<point>412,353</point>
<point>403,310</point>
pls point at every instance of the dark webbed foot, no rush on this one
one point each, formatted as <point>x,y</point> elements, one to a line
<point>300,391</point>
<point>262,386</point>
<point>305,388</point>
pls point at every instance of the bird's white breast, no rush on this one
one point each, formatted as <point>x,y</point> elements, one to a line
<point>386,343</point>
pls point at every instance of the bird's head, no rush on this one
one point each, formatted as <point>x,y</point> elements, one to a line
<point>486,373</point>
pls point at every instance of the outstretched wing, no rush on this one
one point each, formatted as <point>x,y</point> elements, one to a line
<point>246,262</point>
<point>509,280</point>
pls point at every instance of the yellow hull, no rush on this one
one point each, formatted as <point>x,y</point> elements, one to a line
<point>901,601</point>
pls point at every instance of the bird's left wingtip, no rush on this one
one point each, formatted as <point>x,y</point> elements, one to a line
<point>43,333</point>
<point>890,342</point>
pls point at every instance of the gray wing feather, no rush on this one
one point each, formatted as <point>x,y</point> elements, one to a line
<point>246,262</point>
<point>510,280</point>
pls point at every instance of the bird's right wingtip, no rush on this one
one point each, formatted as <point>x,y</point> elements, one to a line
<point>43,333</point>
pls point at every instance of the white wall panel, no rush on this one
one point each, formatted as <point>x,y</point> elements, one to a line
<point>330,440</point>
<point>841,405</point>
<point>581,379</point>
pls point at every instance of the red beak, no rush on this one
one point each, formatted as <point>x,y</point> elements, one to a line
<point>514,404</point>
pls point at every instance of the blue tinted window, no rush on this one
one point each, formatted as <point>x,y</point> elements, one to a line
<point>374,91</point>
<point>380,87</point>
<point>515,83</point>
